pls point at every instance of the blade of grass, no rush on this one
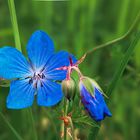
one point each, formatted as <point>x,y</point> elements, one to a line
<point>14,23</point>
<point>18,46</point>
<point>121,69</point>
<point>11,6</point>
<point>123,64</point>
<point>10,126</point>
<point>32,123</point>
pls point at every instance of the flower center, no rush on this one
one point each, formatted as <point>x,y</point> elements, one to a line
<point>36,79</point>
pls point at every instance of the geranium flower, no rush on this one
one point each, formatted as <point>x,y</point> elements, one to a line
<point>34,77</point>
<point>93,100</point>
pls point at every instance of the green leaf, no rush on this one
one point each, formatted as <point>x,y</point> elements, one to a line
<point>85,120</point>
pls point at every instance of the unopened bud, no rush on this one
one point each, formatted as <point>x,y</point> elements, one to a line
<point>89,84</point>
<point>92,99</point>
<point>69,88</point>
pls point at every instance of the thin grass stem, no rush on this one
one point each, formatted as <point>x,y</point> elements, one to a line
<point>32,123</point>
<point>18,46</point>
<point>14,24</point>
<point>11,127</point>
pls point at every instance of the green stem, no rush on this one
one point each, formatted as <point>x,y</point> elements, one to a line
<point>14,24</point>
<point>72,128</point>
<point>10,126</point>
<point>65,114</point>
<point>123,37</point>
<point>32,123</point>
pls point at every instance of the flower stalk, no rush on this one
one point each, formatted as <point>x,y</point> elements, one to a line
<point>65,114</point>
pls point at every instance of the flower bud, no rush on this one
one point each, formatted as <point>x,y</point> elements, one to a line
<point>69,88</point>
<point>89,84</point>
<point>92,99</point>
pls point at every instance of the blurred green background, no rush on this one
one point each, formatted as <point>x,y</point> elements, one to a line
<point>77,26</point>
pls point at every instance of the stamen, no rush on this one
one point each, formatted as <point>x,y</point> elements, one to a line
<point>41,84</point>
<point>31,81</point>
<point>37,77</point>
<point>43,76</point>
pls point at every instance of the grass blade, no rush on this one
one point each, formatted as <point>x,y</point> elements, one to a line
<point>18,46</point>
<point>120,71</point>
<point>10,126</point>
<point>14,24</point>
<point>123,64</point>
<point>32,123</point>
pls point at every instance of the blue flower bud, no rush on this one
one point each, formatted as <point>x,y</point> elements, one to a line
<point>69,88</point>
<point>92,99</point>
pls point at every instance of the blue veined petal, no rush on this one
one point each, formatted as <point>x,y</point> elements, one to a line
<point>13,64</point>
<point>21,94</point>
<point>40,47</point>
<point>56,61</point>
<point>49,93</point>
<point>99,97</point>
<point>96,110</point>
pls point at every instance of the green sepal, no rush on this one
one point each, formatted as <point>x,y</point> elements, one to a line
<point>88,85</point>
<point>98,87</point>
<point>69,88</point>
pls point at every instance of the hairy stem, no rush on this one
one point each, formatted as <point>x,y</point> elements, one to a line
<point>65,114</point>
<point>72,128</point>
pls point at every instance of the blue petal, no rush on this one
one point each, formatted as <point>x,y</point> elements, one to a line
<point>49,94</point>
<point>98,95</point>
<point>107,111</point>
<point>21,94</point>
<point>40,47</point>
<point>13,64</point>
<point>56,61</point>
<point>97,110</point>
<point>95,106</point>
<point>100,98</point>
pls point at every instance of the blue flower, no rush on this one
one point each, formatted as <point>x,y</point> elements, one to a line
<point>94,102</point>
<point>34,77</point>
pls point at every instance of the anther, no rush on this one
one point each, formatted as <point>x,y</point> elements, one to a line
<point>43,76</point>
<point>31,81</point>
